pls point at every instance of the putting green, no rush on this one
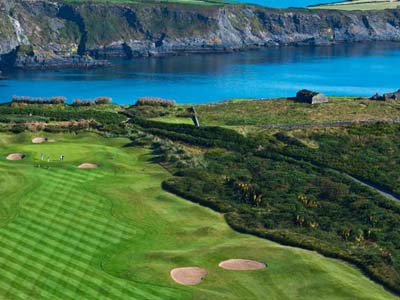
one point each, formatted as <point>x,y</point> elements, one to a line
<point>112,233</point>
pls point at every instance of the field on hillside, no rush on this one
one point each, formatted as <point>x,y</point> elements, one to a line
<point>361,5</point>
<point>112,233</point>
<point>277,112</point>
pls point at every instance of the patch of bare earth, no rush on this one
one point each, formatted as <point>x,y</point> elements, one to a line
<point>188,275</point>
<point>87,166</point>
<point>242,265</point>
<point>15,156</point>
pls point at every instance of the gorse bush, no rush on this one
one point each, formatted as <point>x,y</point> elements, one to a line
<point>60,100</point>
<point>154,101</point>
<point>38,100</point>
<point>103,100</point>
<point>90,102</point>
<point>369,152</point>
<point>29,113</point>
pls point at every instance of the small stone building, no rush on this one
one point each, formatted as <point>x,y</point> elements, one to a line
<point>392,96</point>
<point>377,97</point>
<point>387,96</point>
<point>307,96</point>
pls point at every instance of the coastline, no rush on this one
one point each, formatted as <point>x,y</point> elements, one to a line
<point>153,30</point>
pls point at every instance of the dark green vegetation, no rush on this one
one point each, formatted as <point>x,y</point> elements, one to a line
<point>274,183</point>
<point>281,184</point>
<point>367,152</point>
<point>20,116</point>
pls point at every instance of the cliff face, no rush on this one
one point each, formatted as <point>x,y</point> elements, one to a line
<point>48,33</point>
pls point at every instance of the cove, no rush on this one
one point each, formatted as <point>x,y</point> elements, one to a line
<point>347,69</point>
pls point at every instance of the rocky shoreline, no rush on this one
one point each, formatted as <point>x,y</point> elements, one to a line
<point>48,34</point>
<point>43,63</point>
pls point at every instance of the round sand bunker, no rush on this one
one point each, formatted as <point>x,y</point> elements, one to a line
<point>87,166</point>
<point>39,140</point>
<point>242,265</point>
<point>188,275</point>
<point>16,156</point>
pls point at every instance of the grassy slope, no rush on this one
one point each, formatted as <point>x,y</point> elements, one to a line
<point>361,5</point>
<point>283,112</point>
<point>63,227</point>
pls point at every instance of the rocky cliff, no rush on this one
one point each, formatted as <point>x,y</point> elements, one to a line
<point>41,33</point>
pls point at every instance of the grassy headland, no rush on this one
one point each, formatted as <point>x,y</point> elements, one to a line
<point>360,5</point>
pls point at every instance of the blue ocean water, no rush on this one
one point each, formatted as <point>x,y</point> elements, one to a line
<point>358,69</point>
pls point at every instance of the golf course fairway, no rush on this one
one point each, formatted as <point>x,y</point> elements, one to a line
<point>113,233</point>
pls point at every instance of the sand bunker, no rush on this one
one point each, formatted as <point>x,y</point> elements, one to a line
<point>242,265</point>
<point>87,166</point>
<point>15,156</point>
<point>39,140</point>
<point>188,275</point>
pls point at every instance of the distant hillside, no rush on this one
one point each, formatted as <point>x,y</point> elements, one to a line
<point>41,34</point>
<point>361,5</point>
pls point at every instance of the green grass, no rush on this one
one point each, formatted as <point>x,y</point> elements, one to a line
<point>361,5</point>
<point>112,233</point>
<point>283,111</point>
<point>173,120</point>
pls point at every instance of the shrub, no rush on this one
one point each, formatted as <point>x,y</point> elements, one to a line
<point>103,100</point>
<point>38,100</point>
<point>89,102</point>
<point>83,102</point>
<point>58,100</point>
<point>154,101</point>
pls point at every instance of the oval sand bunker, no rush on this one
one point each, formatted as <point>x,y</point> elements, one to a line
<point>87,166</point>
<point>188,275</point>
<point>39,140</point>
<point>15,156</point>
<point>242,265</point>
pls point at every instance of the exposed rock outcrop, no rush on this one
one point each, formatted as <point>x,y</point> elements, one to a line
<point>44,33</point>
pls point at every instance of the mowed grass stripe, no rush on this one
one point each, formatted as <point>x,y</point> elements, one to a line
<point>62,279</point>
<point>49,253</point>
<point>68,206</point>
<point>89,219</point>
<point>78,270</point>
<point>71,201</point>
<point>31,273</point>
<point>76,227</point>
<point>59,242</point>
<point>56,174</point>
<point>53,216</point>
<point>43,231</point>
<point>10,279</point>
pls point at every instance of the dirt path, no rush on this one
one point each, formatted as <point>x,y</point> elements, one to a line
<point>388,195</point>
